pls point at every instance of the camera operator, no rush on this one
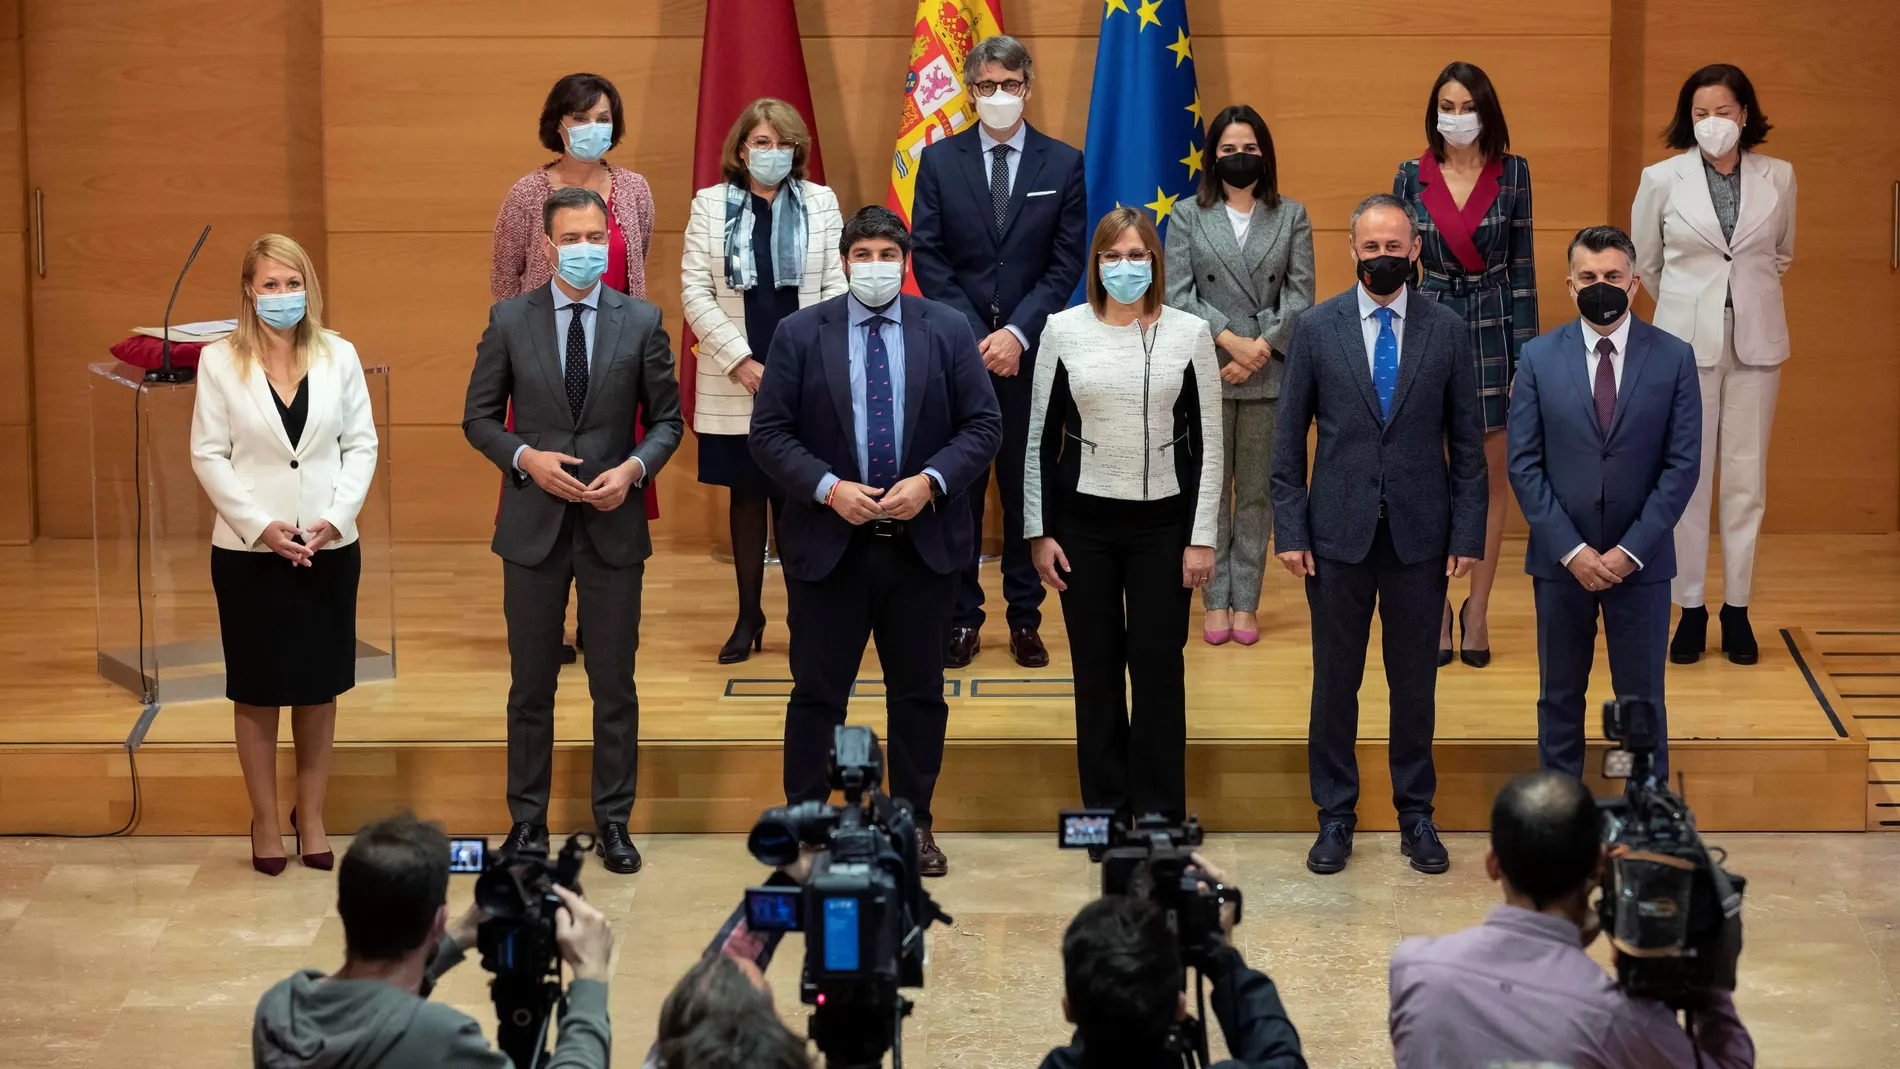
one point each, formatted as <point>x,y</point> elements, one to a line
<point>1122,977</point>
<point>720,1016</point>
<point>1520,987</point>
<point>374,1013</point>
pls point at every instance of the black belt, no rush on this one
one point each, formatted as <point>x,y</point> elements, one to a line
<point>885,528</point>
<point>1466,283</point>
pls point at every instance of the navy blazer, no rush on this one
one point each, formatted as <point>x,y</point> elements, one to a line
<point>1030,272</point>
<point>1426,464</point>
<point>1577,485</point>
<point>802,429</point>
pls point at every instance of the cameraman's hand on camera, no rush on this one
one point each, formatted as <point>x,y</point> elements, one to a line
<point>462,929</point>
<point>800,870</point>
<point>1229,911</point>
<point>584,936</point>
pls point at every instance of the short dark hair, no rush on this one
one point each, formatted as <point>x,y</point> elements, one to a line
<point>1213,190</point>
<point>1602,239</point>
<point>1122,971</point>
<point>874,221</point>
<point>393,880</point>
<point>1546,832</point>
<point>569,197</point>
<point>1494,136</point>
<point>1377,201</point>
<point>573,94</point>
<point>1680,133</point>
<point>715,1019</point>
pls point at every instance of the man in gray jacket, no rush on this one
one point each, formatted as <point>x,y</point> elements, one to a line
<point>375,1013</point>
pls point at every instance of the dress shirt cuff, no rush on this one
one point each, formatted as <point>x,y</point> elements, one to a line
<point>1021,338</point>
<point>1631,556</point>
<point>937,476</point>
<point>824,487</point>
<point>516,462</point>
<point>640,480</point>
<point>1565,559</point>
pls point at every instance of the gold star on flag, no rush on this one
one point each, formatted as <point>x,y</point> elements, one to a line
<point>1181,48</point>
<point>1161,205</point>
<point>1192,160</point>
<point>1147,13</point>
<point>1114,6</point>
<point>1196,109</point>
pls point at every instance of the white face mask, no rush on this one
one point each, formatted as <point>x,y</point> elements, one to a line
<point>1717,135</point>
<point>875,283</point>
<point>1459,130</point>
<point>999,110</point>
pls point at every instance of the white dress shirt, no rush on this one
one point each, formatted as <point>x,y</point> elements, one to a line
<point>1620,340</point>
<point>1015,157</point>
<point>1369,320</point>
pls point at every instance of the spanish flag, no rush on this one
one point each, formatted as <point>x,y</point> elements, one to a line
<point>935,102</point>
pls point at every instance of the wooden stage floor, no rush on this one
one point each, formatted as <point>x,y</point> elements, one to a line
<point>1784,745</point>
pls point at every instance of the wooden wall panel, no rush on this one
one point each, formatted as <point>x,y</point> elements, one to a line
<point>16,401</point>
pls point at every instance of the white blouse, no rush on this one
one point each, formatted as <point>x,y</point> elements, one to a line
<point>1124,382</point>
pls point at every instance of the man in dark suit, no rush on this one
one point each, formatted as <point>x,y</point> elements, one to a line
<point>875,414</point>
<point>1002,235</point>
<point>1396,507</point>
<point>1606,446</point>
<point>577,360</point>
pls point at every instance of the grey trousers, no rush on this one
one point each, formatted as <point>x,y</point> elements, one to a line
<point>534,600</point>
<point>1245,511</point>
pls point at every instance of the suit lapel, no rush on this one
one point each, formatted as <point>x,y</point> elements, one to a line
<point>1262,235</point>
<point>1352,345</point>
<point>546,356</point>
<point>1692,199</point>
<point>261,396</point>
<point>1028,169</point>
<point>1577,370</point>
<point>609,320</point>
<point>834,348</point>
<point>976,170</point>
<point>318,402</point>
<point>916,372</point>
<point>1218,229</point>
<point>1415,340</point>
<point>1635,363</point>
<point>1758,197</point>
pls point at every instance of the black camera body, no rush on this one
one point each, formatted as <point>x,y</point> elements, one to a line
<point>1671,911</point>
<point>863,908</point>
<point>517,941</point>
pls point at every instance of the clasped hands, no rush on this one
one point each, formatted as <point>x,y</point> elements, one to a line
<point>607,492</point>
<point>1246,356</point>
<point>1600,571</point>
<point>281,539</point>
<point>859,504</point>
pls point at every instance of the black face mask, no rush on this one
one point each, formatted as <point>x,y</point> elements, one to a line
<point>1384,275</point>
<point>1242,170</point>
<point>1602,303</point>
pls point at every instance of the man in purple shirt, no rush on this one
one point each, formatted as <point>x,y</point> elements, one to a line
<point>1519,987</point>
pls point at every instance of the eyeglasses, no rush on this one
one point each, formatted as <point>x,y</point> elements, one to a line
<point>766,144</point>
<point>1014,87</point>
<point>1112,257</point>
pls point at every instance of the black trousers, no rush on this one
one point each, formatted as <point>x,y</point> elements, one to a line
<point>534,600</point>
<point>1410,599</point>
<point>882,590</point>
<point>1127,617</point>
<point>1022,589</point>
<point>1636,630</point>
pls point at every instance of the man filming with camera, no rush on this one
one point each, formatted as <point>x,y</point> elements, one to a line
<point>1123,971</point>
<point>375,1013</point>
<point>1520,987</point>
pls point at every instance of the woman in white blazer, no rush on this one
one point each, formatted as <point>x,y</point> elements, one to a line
<point>284,443</point>
<point>1714,232</point>
<point>759,246</point>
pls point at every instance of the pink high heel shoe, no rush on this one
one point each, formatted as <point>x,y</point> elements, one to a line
<point>1217,638</point>
<point>1246,638</point>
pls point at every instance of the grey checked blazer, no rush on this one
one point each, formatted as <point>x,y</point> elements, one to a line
<point>1255,290</point>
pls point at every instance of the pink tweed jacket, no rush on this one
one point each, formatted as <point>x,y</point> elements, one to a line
<point>519,265</point>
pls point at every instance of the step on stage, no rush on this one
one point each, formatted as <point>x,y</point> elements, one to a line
<point>1782,745</point>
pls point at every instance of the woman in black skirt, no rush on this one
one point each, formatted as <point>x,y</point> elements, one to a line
<point>283,441</point>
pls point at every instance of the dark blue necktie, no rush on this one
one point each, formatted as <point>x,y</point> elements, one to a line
<point>880,416</point>
<point>1385,363</point>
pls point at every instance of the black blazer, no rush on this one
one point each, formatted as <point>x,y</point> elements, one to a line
<point>1027,275</point>
<point>1435,507</point>
<point>802,429</point>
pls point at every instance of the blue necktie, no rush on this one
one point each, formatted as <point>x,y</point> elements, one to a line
<point>1385,363</point>
<point>880,422</point>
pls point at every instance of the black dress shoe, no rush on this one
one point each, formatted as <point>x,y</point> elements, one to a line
<point>524,835</point>
<point>616,850</point>
<point>1026,646</point>
<point>748,637</point>
<point>1474,658</point>
<point>1692,636</point>
<point>1421,844</point>
<point>1331,849</point>
<point>569,654</point>
<point>930,860</point>
<point>1738,639</point>
<point>964,642</point>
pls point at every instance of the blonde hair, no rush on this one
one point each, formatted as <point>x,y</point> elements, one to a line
<point>784,121</point>
<point>1107,233</point>
<point>306,340</point>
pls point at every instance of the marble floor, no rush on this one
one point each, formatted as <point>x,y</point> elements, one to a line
<point>152,951</point>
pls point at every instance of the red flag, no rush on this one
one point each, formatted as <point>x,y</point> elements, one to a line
<point>751,51</point>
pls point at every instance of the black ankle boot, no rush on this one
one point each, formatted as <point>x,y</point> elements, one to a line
<point>1692,636</point>
<point>1738,639</point>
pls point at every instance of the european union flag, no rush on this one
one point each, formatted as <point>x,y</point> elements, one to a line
<point>1145,136</point>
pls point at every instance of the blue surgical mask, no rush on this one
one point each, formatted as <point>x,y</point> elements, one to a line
<point>590,141</point>
<point>1127,280</point>
<point>875,283</point>
<point>769,166</point>
<point>281,310</point>
<point>582,264</point>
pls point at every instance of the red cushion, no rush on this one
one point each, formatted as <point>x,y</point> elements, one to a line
<point>141,351</point>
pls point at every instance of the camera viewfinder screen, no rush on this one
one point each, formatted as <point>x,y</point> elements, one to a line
<point>841,935</point>
<point>772,909</point>
<point>467,855</point>
<point>1085,829</point>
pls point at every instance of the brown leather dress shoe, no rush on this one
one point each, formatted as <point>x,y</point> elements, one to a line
<point>1026,646</point>
<point>930,860</point>
<point>964,642</point>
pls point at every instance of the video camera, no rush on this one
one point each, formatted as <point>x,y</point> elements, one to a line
<point>517,940</point>
<point>863,909</point>
<point>1671,911</point>
<point>1152,857</point>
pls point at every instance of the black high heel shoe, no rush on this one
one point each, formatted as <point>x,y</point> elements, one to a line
<point>1474,658</point>
<point>324,861</point>
<point>1444,652</point>
<point>748,637</point>
<point>269,866</point>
